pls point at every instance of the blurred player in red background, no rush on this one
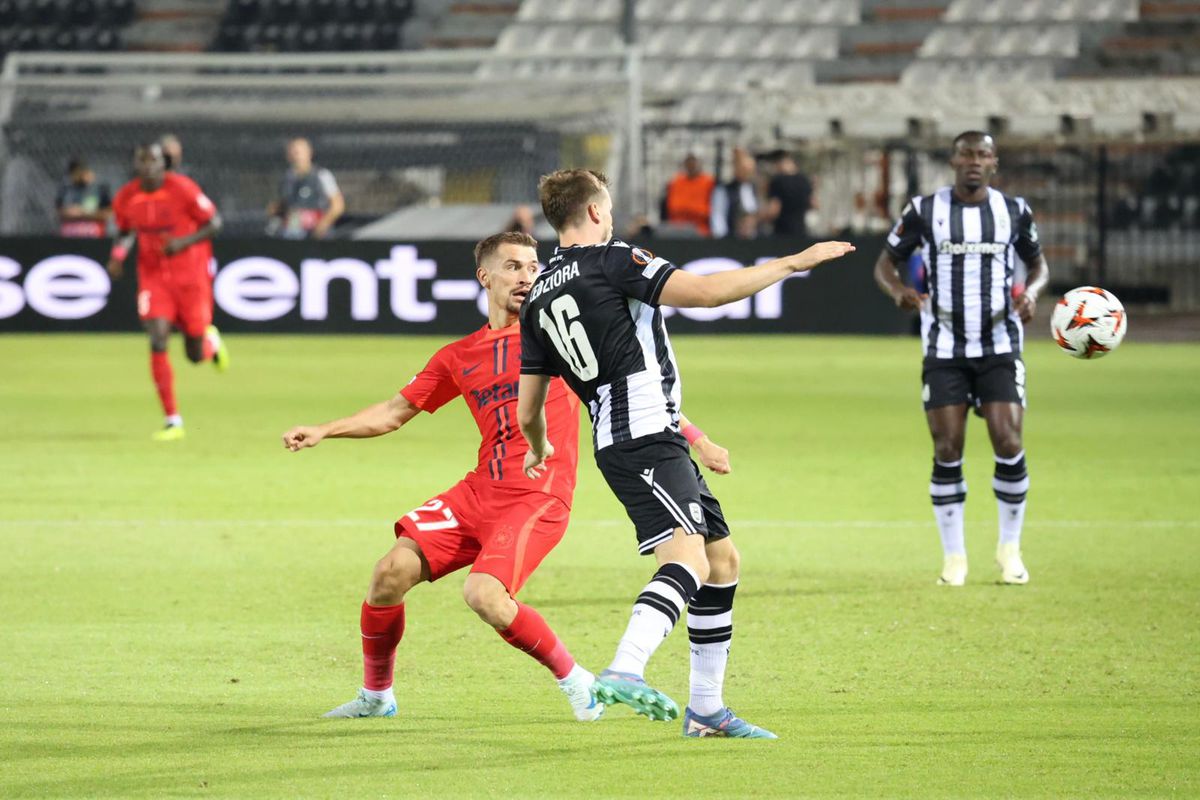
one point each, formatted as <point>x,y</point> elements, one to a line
<point>170,217</point>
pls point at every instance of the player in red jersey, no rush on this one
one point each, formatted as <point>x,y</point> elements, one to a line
<point>493,520</point>
<point>172,221</point>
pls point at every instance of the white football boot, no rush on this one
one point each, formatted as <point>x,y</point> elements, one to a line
<point>1012,568</point>
<point>577,686</point>
<point>954,571</point>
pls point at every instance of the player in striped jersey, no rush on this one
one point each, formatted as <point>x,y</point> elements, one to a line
<point>971,330</point>
<point>593,318</point>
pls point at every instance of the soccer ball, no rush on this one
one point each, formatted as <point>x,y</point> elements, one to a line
<point>1088,322</point>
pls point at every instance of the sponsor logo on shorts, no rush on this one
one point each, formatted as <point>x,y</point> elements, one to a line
<point>925,393</point>
<point>696,511</point>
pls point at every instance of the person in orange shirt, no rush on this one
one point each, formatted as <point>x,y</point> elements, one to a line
<point>689,197</point>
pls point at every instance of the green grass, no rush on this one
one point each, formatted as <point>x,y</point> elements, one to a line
<point>175,617</point>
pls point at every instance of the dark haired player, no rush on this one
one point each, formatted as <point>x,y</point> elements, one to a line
<point>172,221</point>
<point>971,332</point>
<point>593,317</point>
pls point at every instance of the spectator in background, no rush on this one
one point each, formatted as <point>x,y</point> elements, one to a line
<point>789,197</point>
<point>84,205</point>
<point>689,197</point>
<point>173,150</point>
<point>309,201</point>
<point>735,205</point>
<point>522,221</point>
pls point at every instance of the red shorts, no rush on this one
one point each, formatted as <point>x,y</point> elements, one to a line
<point>499,531</point>
<point>186,301</point>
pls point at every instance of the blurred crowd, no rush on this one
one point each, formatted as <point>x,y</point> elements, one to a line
<point>307,203</point>
<point>767,195</point>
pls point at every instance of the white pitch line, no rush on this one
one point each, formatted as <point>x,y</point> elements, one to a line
<point>599,523</point>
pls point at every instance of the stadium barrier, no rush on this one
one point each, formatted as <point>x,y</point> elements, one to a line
<point>264,285</point>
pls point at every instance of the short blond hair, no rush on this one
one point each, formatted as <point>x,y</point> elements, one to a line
<point>566,193</point>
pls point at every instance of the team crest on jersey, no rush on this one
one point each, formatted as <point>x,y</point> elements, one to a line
<point>503,537</point>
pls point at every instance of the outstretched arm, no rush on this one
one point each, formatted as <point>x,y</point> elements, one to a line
<point>376,420</point>
<point>711,454</point>
<point>685,290</point>
<point>531,416</point>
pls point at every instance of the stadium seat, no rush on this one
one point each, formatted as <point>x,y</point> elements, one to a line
<point>270,37</point>
<point>277,11</point>
<point>396,11</point>
<point>243,11</point>
<point>329,37</point>
<point>250,35</point>
<point>309,40</point>
<point>78,12</point>
<point>64,39</point>
<point>323,11</point>
<point>388,36</point>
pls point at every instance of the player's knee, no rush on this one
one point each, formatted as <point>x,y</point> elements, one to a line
<point>1008,444</point>
<point>391,580</point>
<point>195,352</point>
<point>724,564</point>
<point>947,451</point>
<point>487,598</point>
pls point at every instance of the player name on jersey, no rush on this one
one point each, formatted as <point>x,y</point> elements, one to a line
<point>555,279</point>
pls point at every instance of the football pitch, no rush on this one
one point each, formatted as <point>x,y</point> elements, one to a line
<point>175,617</point>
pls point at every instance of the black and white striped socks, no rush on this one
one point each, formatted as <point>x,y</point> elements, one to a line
<point>655,613</point>
<point>948,491</point>
<point>710,632</point>
<point>1011,484</point>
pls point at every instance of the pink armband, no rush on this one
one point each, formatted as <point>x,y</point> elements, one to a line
<point>692,434</point>
<point>119,252</point>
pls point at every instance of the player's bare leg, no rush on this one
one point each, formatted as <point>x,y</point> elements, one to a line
<point>710,633</point>
<point>947,489</point>
<point>682,568</point>
<point>1010,483</point>
<point>159,330</point>
<point>382,626</point>
<point>209,346</point>
<point>525,629</point>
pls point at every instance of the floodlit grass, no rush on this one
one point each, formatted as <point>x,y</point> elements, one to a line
<point>174,618</point>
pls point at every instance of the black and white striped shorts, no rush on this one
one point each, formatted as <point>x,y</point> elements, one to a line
<point>662,489</point>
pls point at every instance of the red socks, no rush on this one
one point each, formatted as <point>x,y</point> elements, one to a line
<point>164,381</point>
<point>530,634</point>
<point>382,627</point>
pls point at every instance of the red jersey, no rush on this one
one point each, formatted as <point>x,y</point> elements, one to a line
<point>484,368</point>
<point>177,208</point>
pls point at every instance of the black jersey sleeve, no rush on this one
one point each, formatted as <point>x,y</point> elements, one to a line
<point>637,273</point>
<point>1027,244</point>
<point>534,358</point>
<point>905,237</point>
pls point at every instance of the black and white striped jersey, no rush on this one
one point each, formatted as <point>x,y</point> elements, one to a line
<point>970,252</point>
<point>592,317</point>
